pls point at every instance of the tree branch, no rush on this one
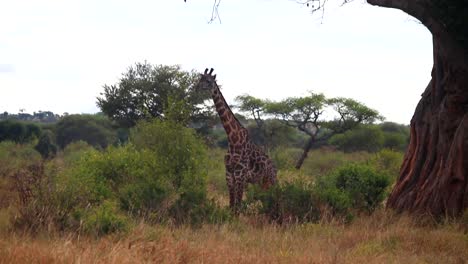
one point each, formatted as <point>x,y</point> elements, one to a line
<point>416,8</point>
<point>420,9</point>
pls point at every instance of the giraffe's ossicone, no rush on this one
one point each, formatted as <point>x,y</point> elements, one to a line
<point>245,162</point>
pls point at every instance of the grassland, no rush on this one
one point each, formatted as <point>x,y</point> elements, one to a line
<point>380,238</point>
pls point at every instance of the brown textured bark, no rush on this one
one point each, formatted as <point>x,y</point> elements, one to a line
<point>434,174</point>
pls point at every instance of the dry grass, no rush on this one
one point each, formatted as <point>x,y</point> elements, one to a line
<point>381,238</point>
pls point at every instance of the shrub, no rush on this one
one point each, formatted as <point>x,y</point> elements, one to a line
<point>14,157</point>
<point>388,161</point>
<point>181,154</point>
<point>365,187</point>
<point>46,146</point>
<point>216,177</point>
<point>286,202</point>
<point>285,158</point>
<point>368,138</point>
<point>94,129</point>
<point>193,208</point>
<point>181,158</point>
<point>395,141</point>
<point>333,200</point>
<point>18,132</point>
<point>65,191</point>
<point>104,219</point>
<point>90,190</point>
<point>324,161</point>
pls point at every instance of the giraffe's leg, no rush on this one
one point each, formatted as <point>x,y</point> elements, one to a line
<point>230,180</point>
<point>240,182</point>
<point>239,193</point>
<point>231,188</point>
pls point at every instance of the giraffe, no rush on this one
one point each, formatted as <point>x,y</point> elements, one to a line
<point>245,162</point>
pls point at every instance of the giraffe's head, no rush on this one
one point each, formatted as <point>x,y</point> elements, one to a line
<point>207,81</point>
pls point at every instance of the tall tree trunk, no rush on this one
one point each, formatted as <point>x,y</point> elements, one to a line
<point>434,174</point>
<point>305,151</point>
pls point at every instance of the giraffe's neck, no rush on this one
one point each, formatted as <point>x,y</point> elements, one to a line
<point>231,125</point>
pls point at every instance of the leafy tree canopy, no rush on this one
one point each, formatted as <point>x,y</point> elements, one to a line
<point>350,114</point>
<point>96,130</point>
<point>251,105</point>
<point>146,91</point>
<point>307,115</point>
<point>300,112</point>
<point>18,131</point>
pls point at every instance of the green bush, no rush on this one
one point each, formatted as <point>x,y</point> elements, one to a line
<point>181,158</point>
<point>14,157</point>
<point>324,161</point>
<point>395,141</point>
<point>339,188</point>
<point>181,154</point>
<point>216,177</point>
<point>388,161</point>
<point>104,219</point>
<point>364,138</point>
<point>286,202</point>
<point>159,175</point>
<point>285,158</point>
<point>17,131</point>
<point>66,190</point>
<point>365,187</point>
<point>352,188</point>
<point>95,130</point>
<point>46,145</point>
<point>193,208</point>
<point>82,184</point>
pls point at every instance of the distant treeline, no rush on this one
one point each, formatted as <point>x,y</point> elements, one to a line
<point>99,131</point>
<point>167,93</point>
<point>40,116</point>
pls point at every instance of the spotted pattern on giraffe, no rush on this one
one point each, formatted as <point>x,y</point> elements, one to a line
<point>245,162</point>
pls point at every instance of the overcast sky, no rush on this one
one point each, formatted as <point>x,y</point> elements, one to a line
<point>56,54</point>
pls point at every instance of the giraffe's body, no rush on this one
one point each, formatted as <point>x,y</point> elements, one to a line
<point>245,162</point>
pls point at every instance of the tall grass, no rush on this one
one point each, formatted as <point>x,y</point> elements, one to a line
<point>381,238</point>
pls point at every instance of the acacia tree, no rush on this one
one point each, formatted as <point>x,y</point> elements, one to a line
<point>149,91</point>
<point>307,115</point>
<point>268,132</point>
<point>252,106</point>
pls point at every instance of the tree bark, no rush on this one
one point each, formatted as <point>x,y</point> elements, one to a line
<point>434,174</point>
<point>306,150</point>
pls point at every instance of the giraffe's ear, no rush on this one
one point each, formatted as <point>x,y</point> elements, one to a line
<point>206,70</point>
<point>211,71</point>
<point>214,77</point>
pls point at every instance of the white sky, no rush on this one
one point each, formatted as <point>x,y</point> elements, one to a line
<point>57,54</point>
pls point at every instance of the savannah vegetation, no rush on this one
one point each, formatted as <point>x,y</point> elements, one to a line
<point>147,184</point>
